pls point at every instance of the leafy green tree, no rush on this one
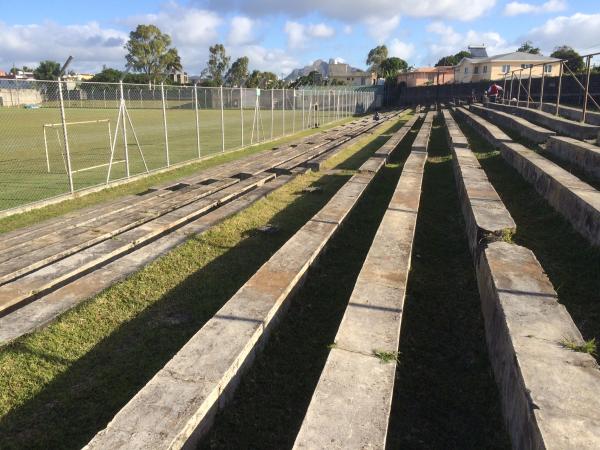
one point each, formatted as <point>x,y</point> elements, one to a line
<point>238,73</point>
<point>253,81</point>
<point>453,60</point>
<point>149,52</point>
<point>218,63</point>
<point>375,57</point>
<point>527,47</point>
<point>108,75</point>
<point>575,61</point>
<point>390,67</point>
<point>47,70</point>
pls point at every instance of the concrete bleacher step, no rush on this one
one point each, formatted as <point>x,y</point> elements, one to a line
<point>569,112</point>
<point>524,128</point>
<point>44,249</point>
<point>177,406</point>
<point>577,201</point>
<point>351,404</point>
<point>543,386</point>
<point>583,155</point>
<point>29,286</point>
<point>487,219</point>
<point>559,124</point>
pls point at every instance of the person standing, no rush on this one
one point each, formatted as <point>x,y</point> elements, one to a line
<point>493,91</point>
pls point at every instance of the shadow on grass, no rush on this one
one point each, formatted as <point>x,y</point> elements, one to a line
<point>445,395</point>
<point>82,400</point>
<point>568,259</point>
<point>272,399</point>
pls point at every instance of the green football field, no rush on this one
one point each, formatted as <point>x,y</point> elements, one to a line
<point>24,175</point>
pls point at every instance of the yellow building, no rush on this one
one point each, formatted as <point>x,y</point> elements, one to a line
<point>496,67</point>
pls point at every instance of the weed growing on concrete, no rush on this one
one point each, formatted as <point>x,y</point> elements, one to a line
<point>588,347</point>
<point>387,357</point>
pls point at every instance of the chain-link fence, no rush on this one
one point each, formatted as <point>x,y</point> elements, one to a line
<point>61,137</point>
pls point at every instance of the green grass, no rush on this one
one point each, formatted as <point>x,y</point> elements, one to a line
<point>37,215</point>
<point>571,263</point>
<point>23,171</point>
<point>387,357</point>
<point>62,384</point>
<point>588,347</point>
<point>445,394</point>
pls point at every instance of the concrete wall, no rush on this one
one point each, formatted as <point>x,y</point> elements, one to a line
<point>16,97</point>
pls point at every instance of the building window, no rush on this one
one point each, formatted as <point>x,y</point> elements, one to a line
<point>484,69</point>
<point>476,69</point>
<point>505,68</point>
<point>548,68</point>
<point>526,66</point>
<point>466,70</point>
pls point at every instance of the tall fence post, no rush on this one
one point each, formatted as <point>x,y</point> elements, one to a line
<point>529,85</point>
<point>124,129</point>
<point>303,114</point>
<point>519,91</point>
<point>197,120</point>
<point>283,109</point>
<point>560,74</point>
<point>272,113</point>
<point>242,112</point>
<point>542,87</point>
<point>164,109</point>
<point>65,135</point>
<point>294,111</point>
<point>510,97</point>
<point>587,88</point>
<point>222,122</point>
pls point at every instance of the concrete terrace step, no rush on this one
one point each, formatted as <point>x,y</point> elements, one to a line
<point>559,124</point>
<point>526,129</point>
<point>544,387</point>
<point>568,112</point>
<point>486,217</point>
<point>351,404</point>
<point>550,394</point>
<point>29,286</point>
<point>577,201</point>
<point>178,404</point>
<point>581,154</point>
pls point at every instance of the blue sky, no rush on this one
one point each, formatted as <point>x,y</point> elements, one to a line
<point>277,35</point>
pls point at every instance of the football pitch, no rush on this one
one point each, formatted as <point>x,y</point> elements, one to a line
<point>33,166</point>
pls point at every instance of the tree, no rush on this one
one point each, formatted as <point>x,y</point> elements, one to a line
<point>238,73</point>
<point>390,67</point>
<point>47,70</point>
<point>453,60</point>
<point>218,63</point>
<point>527,47</point>
<point>149,52</point>
<point>375,57</point>
<point>108,75</point>
<point>575,61</point>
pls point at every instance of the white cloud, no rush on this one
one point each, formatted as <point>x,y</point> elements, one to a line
<point>241,31</point>
<point>88,43</point>
<point>348,29</point>
<point>273,60</point>
<point>446,41</point>
<point>299,34</point>
<point>580,31</point>
<point>354,10</point>
<point>401,49</point>
<point>380,29</point>
<point>320,30</point>
<point>516,8</point>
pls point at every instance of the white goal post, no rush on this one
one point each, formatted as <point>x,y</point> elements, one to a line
<point>56,126</point>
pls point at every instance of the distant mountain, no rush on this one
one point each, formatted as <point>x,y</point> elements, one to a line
<point>319,65</point>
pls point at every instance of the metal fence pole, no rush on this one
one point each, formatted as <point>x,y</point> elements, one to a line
<point>303,109</point>
<point>560,74</point>
<point>294,111</point>
<point>123,105</point>
<point>504,89</point>
<point>542,87</point>
<point>242,112</point>
<point>222,122</point>
<point>587,88</point>
<point>529,85</point>
<point>164,109</point>
<point>519,91</point>
<point>65,135</point>
<point>197,120</point>
<point>283,109</point>
<point>272,114</point>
